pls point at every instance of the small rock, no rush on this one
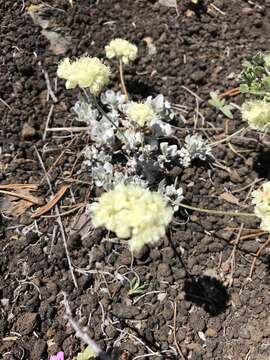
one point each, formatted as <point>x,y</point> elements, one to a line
<point>125,312</point>
<point>28,132</point>
<point>235,300</point>
<point>38,349</point>
<point>74,241</point>
<point>26,323</point>
<point>198,76</point>
<point>211,332</point>
<point>197,322</point>
<point>164,270</point>
<point>110,331</point>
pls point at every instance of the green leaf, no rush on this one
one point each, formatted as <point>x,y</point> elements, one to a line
<point>216,101</point>
<point>244,88</point>
<point>226,109</point>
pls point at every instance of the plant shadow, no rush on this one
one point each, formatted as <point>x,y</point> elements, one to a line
<point>208,293</point>
<point>262,164</point>
<point>139,88</point>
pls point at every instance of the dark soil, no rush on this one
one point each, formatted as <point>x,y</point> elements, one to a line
<point>220,314</point>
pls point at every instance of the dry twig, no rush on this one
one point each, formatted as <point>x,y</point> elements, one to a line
<point>61,226</point>
<point>47,207</point>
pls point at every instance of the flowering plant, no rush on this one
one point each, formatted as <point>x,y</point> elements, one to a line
<point>261,200</point>
<point>133,147</point>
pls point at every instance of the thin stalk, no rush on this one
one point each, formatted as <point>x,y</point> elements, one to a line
<point>228,137</point>
<point>217,212</point>
<point>123,85</point>
<point>93,99</point>
<point>103,112</point>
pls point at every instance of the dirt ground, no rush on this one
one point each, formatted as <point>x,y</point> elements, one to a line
<point>207,307</point>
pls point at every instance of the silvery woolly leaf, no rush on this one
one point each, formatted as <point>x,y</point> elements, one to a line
<point>85,112</point>
<point>112,98</point>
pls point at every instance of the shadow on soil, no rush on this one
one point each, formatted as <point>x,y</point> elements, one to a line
<point>208,293</point>
<point>262,164</point>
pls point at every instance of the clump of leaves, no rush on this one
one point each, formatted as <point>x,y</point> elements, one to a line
<point>135,287</point>
<point>255,77</point>
<point>221,105</point>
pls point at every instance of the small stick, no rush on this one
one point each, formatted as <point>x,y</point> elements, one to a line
<point>246,186</point>
<point>60,223</point>
<point>123,85</point>
<point>69,129</point>
<point>227,137</point>
<point>47,207</point>
<point>31,199</point>
<point>18,186</point>
<point>192,93</point>
<point>174,331</point>
<point>230,92</point>
<point>6,104</point>
<point>49,88</point>
<point>81,334</point>
<point>47,122</point>
<point>217,9</point>
<point>256,256</point>
<point>61,154</point>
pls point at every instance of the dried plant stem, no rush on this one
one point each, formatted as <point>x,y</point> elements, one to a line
<point>256,256</point>
<point>174,331</point>
<point>60,223</point>
<point>107,116</point>
<point>79,333</point>
<point>31,199</point>
<point>230,92</point>
<point>228,137</point>
<point>217,212</point>
<point>69,129</point>
<point>122,79</point>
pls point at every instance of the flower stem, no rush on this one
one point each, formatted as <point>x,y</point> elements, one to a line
<point>121,71</point>
<point>95,102</point>
<point>217,212</point>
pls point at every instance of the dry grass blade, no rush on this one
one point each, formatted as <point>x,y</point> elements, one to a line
<point>31,187</point>
<point>44,209</point>
<point>19,201</point>
<point>30,198</point>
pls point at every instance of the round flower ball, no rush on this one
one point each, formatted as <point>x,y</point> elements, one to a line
<point>133,212</point>
<point>257,114</point>
<point>140,113</point>
<point>85,72</point>
<point>261,199</point>
<point>121,49</point>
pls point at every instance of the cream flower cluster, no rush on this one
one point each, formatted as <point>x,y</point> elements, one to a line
<point>121,49</point>
<point>131,211</point>
<point>140,113</point>
<point>261,199</point>
<point>257,114</point>
<point>85,72</point>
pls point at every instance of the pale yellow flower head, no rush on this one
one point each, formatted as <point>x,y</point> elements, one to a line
<point>85,72</point>
<point>261,199</point>
<point>267,59</point>
<point>257,114</point>
<point>121,49</point>
<point>132,212</point>
<point>140,113</point>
